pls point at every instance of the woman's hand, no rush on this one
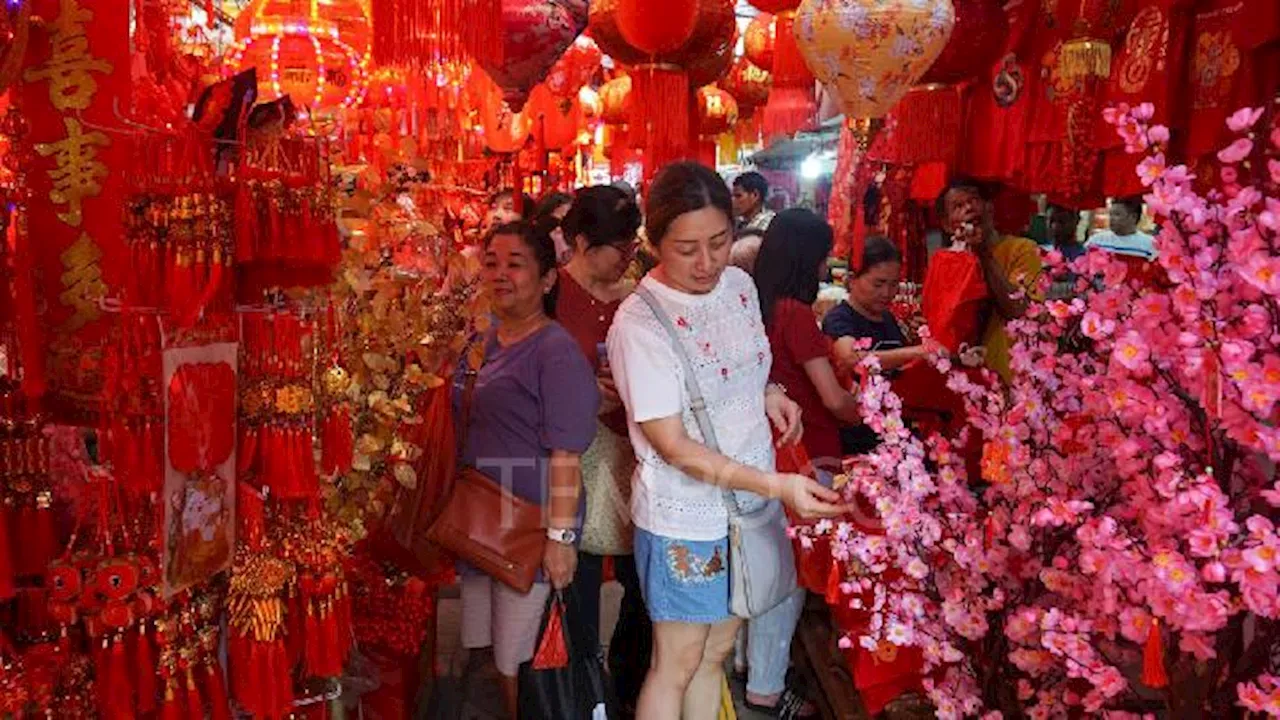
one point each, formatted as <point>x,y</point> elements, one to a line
<point>847,353</point>
<point>784,413</point>
<point>560,562</point>
<point>808,499</point>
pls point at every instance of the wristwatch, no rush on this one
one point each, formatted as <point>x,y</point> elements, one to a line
<point>564,537</point>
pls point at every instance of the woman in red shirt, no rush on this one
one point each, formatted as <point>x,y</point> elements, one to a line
<point>791,258</point>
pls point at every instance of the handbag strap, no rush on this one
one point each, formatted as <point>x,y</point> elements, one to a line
<point>698,403</point>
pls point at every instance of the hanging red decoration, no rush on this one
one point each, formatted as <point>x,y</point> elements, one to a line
<point>653,31</point>
<point>553,121</point>
<point>575,68</point>
<point>791,101</point>
<point>202,411</point>
<point>433,33</point>
<point>615,101</point>
<point>534,36</point>
<point>504,130</point>
<point>710,51</point>
<point>976,42</point>
<point>717,110</point>
<point>758,40</point>
<point>602,26</point>
<point>748,84</point>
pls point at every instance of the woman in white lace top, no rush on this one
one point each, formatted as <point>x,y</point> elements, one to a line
<point>677,504</point>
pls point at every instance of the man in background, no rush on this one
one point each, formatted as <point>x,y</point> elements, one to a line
<point>1010,264</point>
<point>749,192</point>
<point>1123,237</point>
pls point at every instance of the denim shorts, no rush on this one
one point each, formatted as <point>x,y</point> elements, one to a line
<point>683,580</point>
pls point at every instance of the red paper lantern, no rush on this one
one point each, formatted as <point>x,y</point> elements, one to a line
<point>976,42</point>
<point>574,69</point>
<point>775,6</point>
<point>304,57</point>
<point>603,28</point>
<point>709,53</point>
<point>655,31</point>
<point>615,101</point>
<point>758,40</point>
<point>748,84</point>
<point>553,121</point>
<point>717,110</point>
<point>503,129</point>
<point>535,33</point>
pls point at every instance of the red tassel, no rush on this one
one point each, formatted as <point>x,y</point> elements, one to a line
<point>1153,673</point>
<point>834,579</point>
<point>552,652</point>
<point>282,685</point>
<point>215,687</point>
<point>246,224</point>
<point>171,709</point>
<point>312,641</point>
<point>790,109</point>
<point>337,445</point>
<point>115,695</point>
<point>34,525</point>
<point>7,587</point>
<point>789,67</point>
<point>144,665</point>
<point>660,110</point>
<point>195,708</point>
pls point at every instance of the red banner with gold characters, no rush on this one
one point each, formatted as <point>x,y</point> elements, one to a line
<point>74,85</point>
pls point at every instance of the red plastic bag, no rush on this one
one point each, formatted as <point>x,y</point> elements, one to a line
<point>953,298</point>
<point>552,652</point>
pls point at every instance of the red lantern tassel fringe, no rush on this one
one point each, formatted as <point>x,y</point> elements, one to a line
<point>789,67</point>
<point>195,707</point>
<point>144,664</point>
<point>660,114</point>
<point>926,124</point>
<point>337,448</point>
<point>1153,673</point>
<point>834,578</point>
<point>215,688</point>
<point>7,588</point>
<point>115,693</point>
<point>34,525</point>
<point>707,152</point>
<point>171,709</point>
<point>790,109</point>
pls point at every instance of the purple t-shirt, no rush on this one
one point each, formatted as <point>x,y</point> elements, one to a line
<point>530,398</point>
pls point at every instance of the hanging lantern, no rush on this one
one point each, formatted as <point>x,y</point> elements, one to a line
<point>709,53</point>
<point>758,40</point>
<point>589,104</point>
<point>654,32</point>
<point>304,58</point>
<point>870,52</point>
<point>602,26</point>
<point>553,121</point>
<point>504,130</point>
<point>976,42</point>
<point>748,84</point>
<point>615,101</point>
<point>791,102</point>
<point>717,110</point>
<point>534,36</point>
<point>575,68</point>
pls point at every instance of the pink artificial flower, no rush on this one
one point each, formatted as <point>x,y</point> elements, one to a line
<point>1243,119</point>
<point>1132,351</point>
<point>1273,169</point>
<point>1150,169</point>
<point>1263,272</point>
<point>1236,151</point>
<point>1158,134</point>
<point>1145,111</point>
<point>1229,174</point>
<point>1214,572</point>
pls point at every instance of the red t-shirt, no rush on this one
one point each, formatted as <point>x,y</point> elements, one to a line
<point>795,338</point>
<point>587,320</point>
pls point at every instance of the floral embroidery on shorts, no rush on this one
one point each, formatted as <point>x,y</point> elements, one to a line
<point>688,567</point>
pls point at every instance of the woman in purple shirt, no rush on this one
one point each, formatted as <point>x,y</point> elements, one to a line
<point>533,413</point>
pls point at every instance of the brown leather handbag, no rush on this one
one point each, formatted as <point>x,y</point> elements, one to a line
<point>487,526</point>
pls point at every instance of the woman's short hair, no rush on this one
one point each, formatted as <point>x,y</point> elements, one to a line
<point>876,250</point>
<point>544,254</point>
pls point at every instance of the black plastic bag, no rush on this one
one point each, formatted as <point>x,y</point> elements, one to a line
<point>561,682</point>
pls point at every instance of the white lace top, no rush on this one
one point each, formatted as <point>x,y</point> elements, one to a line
<point>727,345</point>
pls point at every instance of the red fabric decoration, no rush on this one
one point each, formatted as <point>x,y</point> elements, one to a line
<point>215,688</point>
<point>976,41</point>
<point>653,31</point>
<point>6,562</point>
<point>552,652</point>
<point>953,296</point>
<point>144,665</point>
<point>202,406</point>
<point>660,114</point>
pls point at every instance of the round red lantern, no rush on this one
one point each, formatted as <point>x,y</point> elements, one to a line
<point>709,53</point>
<point>535,33</point>
<point>656,31</point>
<point>748,84</point>
<point>574,69</point>
<point>757,41</point>
<point>308,63</point>
<point>615,101</point>
<point>717,110</point>
<point>775,6</point>
<point>602,26</point>
<point>554,121</point>
<point>976,42</point>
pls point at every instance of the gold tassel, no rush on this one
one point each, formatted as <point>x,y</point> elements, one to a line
<point>1085,57</point>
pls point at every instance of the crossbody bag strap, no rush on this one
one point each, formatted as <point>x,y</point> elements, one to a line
<point>698,403</point>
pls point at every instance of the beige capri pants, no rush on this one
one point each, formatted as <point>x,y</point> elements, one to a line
<point>495,614</point>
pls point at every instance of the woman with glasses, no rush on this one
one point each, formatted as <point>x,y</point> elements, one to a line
<point>600,228</point>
